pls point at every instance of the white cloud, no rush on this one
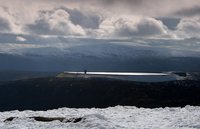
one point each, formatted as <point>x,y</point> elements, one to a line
<point>8,22</point>
<point>99,18</point>
<point>189,27</point>
<point>132,26</point>
<point>21,39</point>
<point>56,22</point>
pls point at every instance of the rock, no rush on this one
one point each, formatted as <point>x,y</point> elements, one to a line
<point>49,119</point>
<point>10,119</point>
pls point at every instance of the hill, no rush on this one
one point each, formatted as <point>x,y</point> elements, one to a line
<point>51,93</point>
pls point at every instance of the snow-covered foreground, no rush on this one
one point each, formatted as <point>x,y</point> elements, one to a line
<point>109,118</point>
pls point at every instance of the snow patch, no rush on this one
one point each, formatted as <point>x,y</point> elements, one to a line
<point>119,117</point>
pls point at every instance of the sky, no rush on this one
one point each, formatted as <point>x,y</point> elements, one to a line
<point>170,26</point>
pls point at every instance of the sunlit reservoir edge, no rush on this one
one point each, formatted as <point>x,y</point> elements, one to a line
<point>132,76</point>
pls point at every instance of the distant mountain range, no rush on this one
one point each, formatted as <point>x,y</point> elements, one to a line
<point>92,63</point>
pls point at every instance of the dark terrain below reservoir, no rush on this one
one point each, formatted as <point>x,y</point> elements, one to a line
<point>52,92</point>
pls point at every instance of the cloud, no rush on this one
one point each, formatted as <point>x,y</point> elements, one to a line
<point>154,8</point>
<point>87,27</point>
<point>65,21</point>
<point>8,22</point>
<point>98,18</point>
<point>189,27</point>
<point>80,47</point>
<point>85,19</point>
<point>171,23</point>
<point>20,38</point>
<point>129,26</point>
<point>189,12</point>
<point>4,25</point>
<point>56,22</point>
<point>75,22</point>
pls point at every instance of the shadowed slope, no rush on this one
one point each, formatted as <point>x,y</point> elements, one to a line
<point>50,93</point>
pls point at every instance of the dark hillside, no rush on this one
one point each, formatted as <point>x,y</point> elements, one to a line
<point>51,93</point>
